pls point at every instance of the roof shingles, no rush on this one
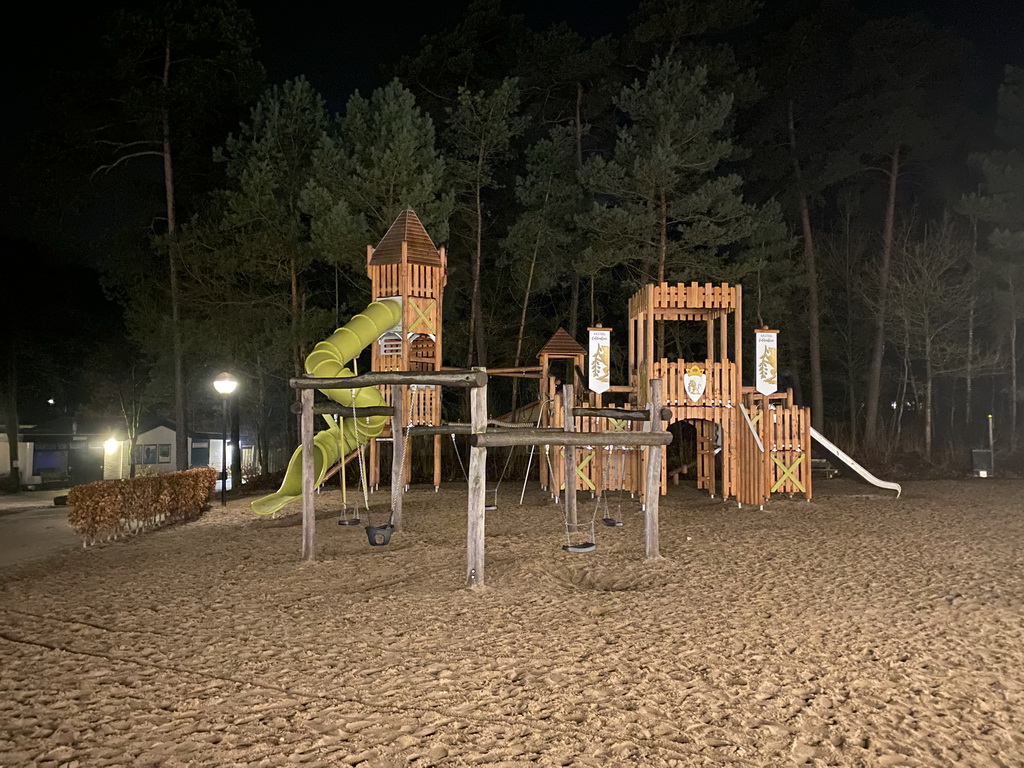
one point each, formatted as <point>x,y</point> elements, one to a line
<point>408,229</point>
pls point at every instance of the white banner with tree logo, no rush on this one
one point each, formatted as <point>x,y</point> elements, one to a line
<point>600,359</point>
<point>767,357</point>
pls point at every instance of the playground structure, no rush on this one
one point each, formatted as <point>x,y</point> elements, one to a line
<point>750,445</point>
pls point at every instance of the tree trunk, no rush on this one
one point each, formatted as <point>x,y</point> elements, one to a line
<point>968,405</point>
<point>177,350</point>
<point>970,372</point>
<point>1013,365</point>
<point>811,269</point>
<point>262,420</point>
<point>11,413</point>
<point>901,390</point>
<point>236,440</point>
<point>526,304</point>
<point>294,305</point>
<point>928,389</point>
<point>476,353</point>
<point>593,305</point>
<point>574,306</point>
<point>662,258</point>
<point>875,371</point>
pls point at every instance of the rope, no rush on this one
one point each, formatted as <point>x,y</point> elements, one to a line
<point>458,455</point>
<point>362,465</point>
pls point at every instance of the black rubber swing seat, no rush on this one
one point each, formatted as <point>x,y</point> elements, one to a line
<point>580,549</point>
<point>379,535</point>
<point>611,522</point>
<point>352,521</point>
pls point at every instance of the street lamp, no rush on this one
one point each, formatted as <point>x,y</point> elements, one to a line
<point>225,385</point>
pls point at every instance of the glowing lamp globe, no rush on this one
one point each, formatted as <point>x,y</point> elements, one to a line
<point>225,384</point>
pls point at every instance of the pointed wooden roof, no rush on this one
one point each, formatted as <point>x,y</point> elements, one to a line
<point>408,229</point>
<point>562,345</point>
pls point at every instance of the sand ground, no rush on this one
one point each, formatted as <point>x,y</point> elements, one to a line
<point>857,630</point>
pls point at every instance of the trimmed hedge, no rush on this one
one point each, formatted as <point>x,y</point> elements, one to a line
<point>111,508</point>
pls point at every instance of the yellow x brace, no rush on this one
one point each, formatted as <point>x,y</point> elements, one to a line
<point>422,316</point>
<point>788,473</point>
<point>579,471</point>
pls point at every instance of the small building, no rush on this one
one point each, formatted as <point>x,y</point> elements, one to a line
<point>71,451</point>
<point>24,455</point>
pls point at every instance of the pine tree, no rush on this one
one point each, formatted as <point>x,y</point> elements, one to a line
<point>271,162</point>
<point>1001,205</point>
<point>180,67</point>
<point>379,159</point>
<point>481,128</point>
<point>666,208</point>
<point>901,105</point>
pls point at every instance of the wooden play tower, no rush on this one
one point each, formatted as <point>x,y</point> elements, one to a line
<point>407,266</point>
<point>749,445</point>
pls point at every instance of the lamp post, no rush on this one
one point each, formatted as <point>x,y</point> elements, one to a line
<point>225,385</point>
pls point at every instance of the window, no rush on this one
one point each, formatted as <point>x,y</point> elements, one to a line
<point>164,453</point>
<point>149,454</point>
<point>391,344</point>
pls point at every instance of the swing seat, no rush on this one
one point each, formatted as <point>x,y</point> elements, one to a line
<point>611,522</point>
<point>492,491</point>
<point>379,535</point>
<point>580,549</point>
<point>350,521</point>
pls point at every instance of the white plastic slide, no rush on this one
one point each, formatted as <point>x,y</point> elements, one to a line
<point>839,455</point>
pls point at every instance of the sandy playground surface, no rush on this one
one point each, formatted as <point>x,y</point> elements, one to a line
<point>854,631</point>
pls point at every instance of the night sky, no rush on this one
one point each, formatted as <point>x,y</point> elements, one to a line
<point>339,48</point>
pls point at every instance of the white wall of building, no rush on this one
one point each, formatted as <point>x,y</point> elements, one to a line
<point>155,449</point>
<point>24,459</point>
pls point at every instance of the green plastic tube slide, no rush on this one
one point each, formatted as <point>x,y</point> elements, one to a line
<point>330,359</point>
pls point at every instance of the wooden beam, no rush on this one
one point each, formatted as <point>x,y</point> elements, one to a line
<point>337,467</point>
<point>397,455</point>
<point>308,510</point>
<point>738,338</point>
<point>477,489</point>
<point>360,412</point>
<point>622,414</point>
<point>653,486</point>
<point>522,369</point>
<point>474,378</point>
<point>503,438</point>
<point>569,425</point>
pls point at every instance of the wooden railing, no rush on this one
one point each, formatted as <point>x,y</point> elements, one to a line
<point>719,390</point>
<point>422,279</point>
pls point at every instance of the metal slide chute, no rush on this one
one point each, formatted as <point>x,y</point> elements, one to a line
<point>841,457</point>
<point>330,359</point>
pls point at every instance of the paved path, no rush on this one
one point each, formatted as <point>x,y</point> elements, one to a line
<point>32,528</point>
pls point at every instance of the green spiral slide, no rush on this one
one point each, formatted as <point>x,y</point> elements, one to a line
<point>329,359</point>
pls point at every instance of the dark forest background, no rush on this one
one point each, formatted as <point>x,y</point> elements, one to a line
<point>170,211</point>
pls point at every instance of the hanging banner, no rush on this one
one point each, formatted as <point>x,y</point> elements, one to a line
<point>767,358</point>
<point>600,359</point>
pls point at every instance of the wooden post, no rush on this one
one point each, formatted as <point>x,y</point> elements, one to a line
<point>477,491</point>
<point>437,462</point>
<point>653,485</point>
<point>723,338</point>
<point>738,340</point>
<point>570,456</point>
<point>308,481</point>
<point>397,454</point>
